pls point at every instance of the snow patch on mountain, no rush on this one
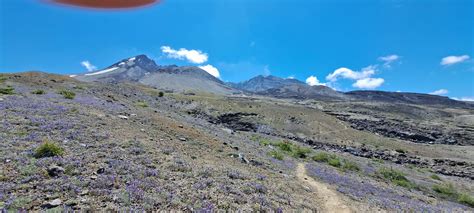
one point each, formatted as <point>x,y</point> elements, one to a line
<point>102,72</point>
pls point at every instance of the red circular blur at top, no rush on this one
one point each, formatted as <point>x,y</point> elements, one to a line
<point>107,4</point>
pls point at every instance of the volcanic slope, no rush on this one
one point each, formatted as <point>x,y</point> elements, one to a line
<point>129,146</point>
<point>144,70</point>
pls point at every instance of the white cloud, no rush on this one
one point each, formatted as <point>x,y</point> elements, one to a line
<point>363,78</point>
<point>470,99</point>
<point>349,74</point>
<point>389,59</point>
<point>193,56</point>
<point>368,83</point>
<point>211,70</point>
<point>440,92</point>
<point>313,81</point>
<point>90,67</point>
<point>450,60</point>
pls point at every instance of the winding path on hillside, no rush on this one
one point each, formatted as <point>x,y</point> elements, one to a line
<point>330,200</point>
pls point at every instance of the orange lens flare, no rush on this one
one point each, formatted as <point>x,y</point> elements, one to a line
<point>106,4</point>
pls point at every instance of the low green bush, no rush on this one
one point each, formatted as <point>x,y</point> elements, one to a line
<point>300,152</point>
<point>265,142</point>
<point>400,150</point>
<point>321,157</point>
<point>38,92</point>
<point>466,199</point>
<point>435,177</point>
<point>67,94</point>
<point>396,177</point>
<point>161,94</point>
<point>334,162</point>
<point>48,149</point>
<point>446,190</point>
<point>350,166</point>
<point>276,154</point>
<point>285,146</point>
<point>142,104</point>
<point>9,90</point>
<point>292,149</point>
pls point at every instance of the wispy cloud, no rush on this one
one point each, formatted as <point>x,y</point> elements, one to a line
<point>313,81</point>
<point>192,56</point>
<point>470,99</point>
<point>211,70</point>
<point>440,92</point>
<point>89,66</point>
<point>450,60</point>
<point>363,78</point>
<point>389,59</point>
<point>350,74</point>
<point>368,83</point>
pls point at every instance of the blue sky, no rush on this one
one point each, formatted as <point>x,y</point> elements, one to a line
<point>393,45</point>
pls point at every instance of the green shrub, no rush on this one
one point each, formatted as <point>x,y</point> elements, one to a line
<point>264,142</point>
<point>446,190</point>
<point>334,162</point>
<point>350,166</point>
<point>2,79</point>
<point>67,94</point>
<point>276,154</point>
<point>161,94</point>
<point>400,150</point>
<point>321,157</point>
<point>466,199</point>
<point>435,177</point>
<point>48,149</point>
<point>449,192</point>
<point>301,152</point>
<point>396,177</point>
<point>392,174</point>
<point>142,104</point>
<point>9,90</point>
<point>292,149</point>
<point>285,146</point>
<point>38,92</point>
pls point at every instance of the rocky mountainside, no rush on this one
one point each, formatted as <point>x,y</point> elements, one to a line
<point>262,83</point>
<point>143,70</point>
<point>408,98</point>
<point>190,79</point>
<point>287,88</point>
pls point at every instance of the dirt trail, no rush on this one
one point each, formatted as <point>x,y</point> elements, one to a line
<point>328,198</point>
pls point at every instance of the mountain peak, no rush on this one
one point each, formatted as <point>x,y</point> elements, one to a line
<point>142,57</point>
<point>142,61</point>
